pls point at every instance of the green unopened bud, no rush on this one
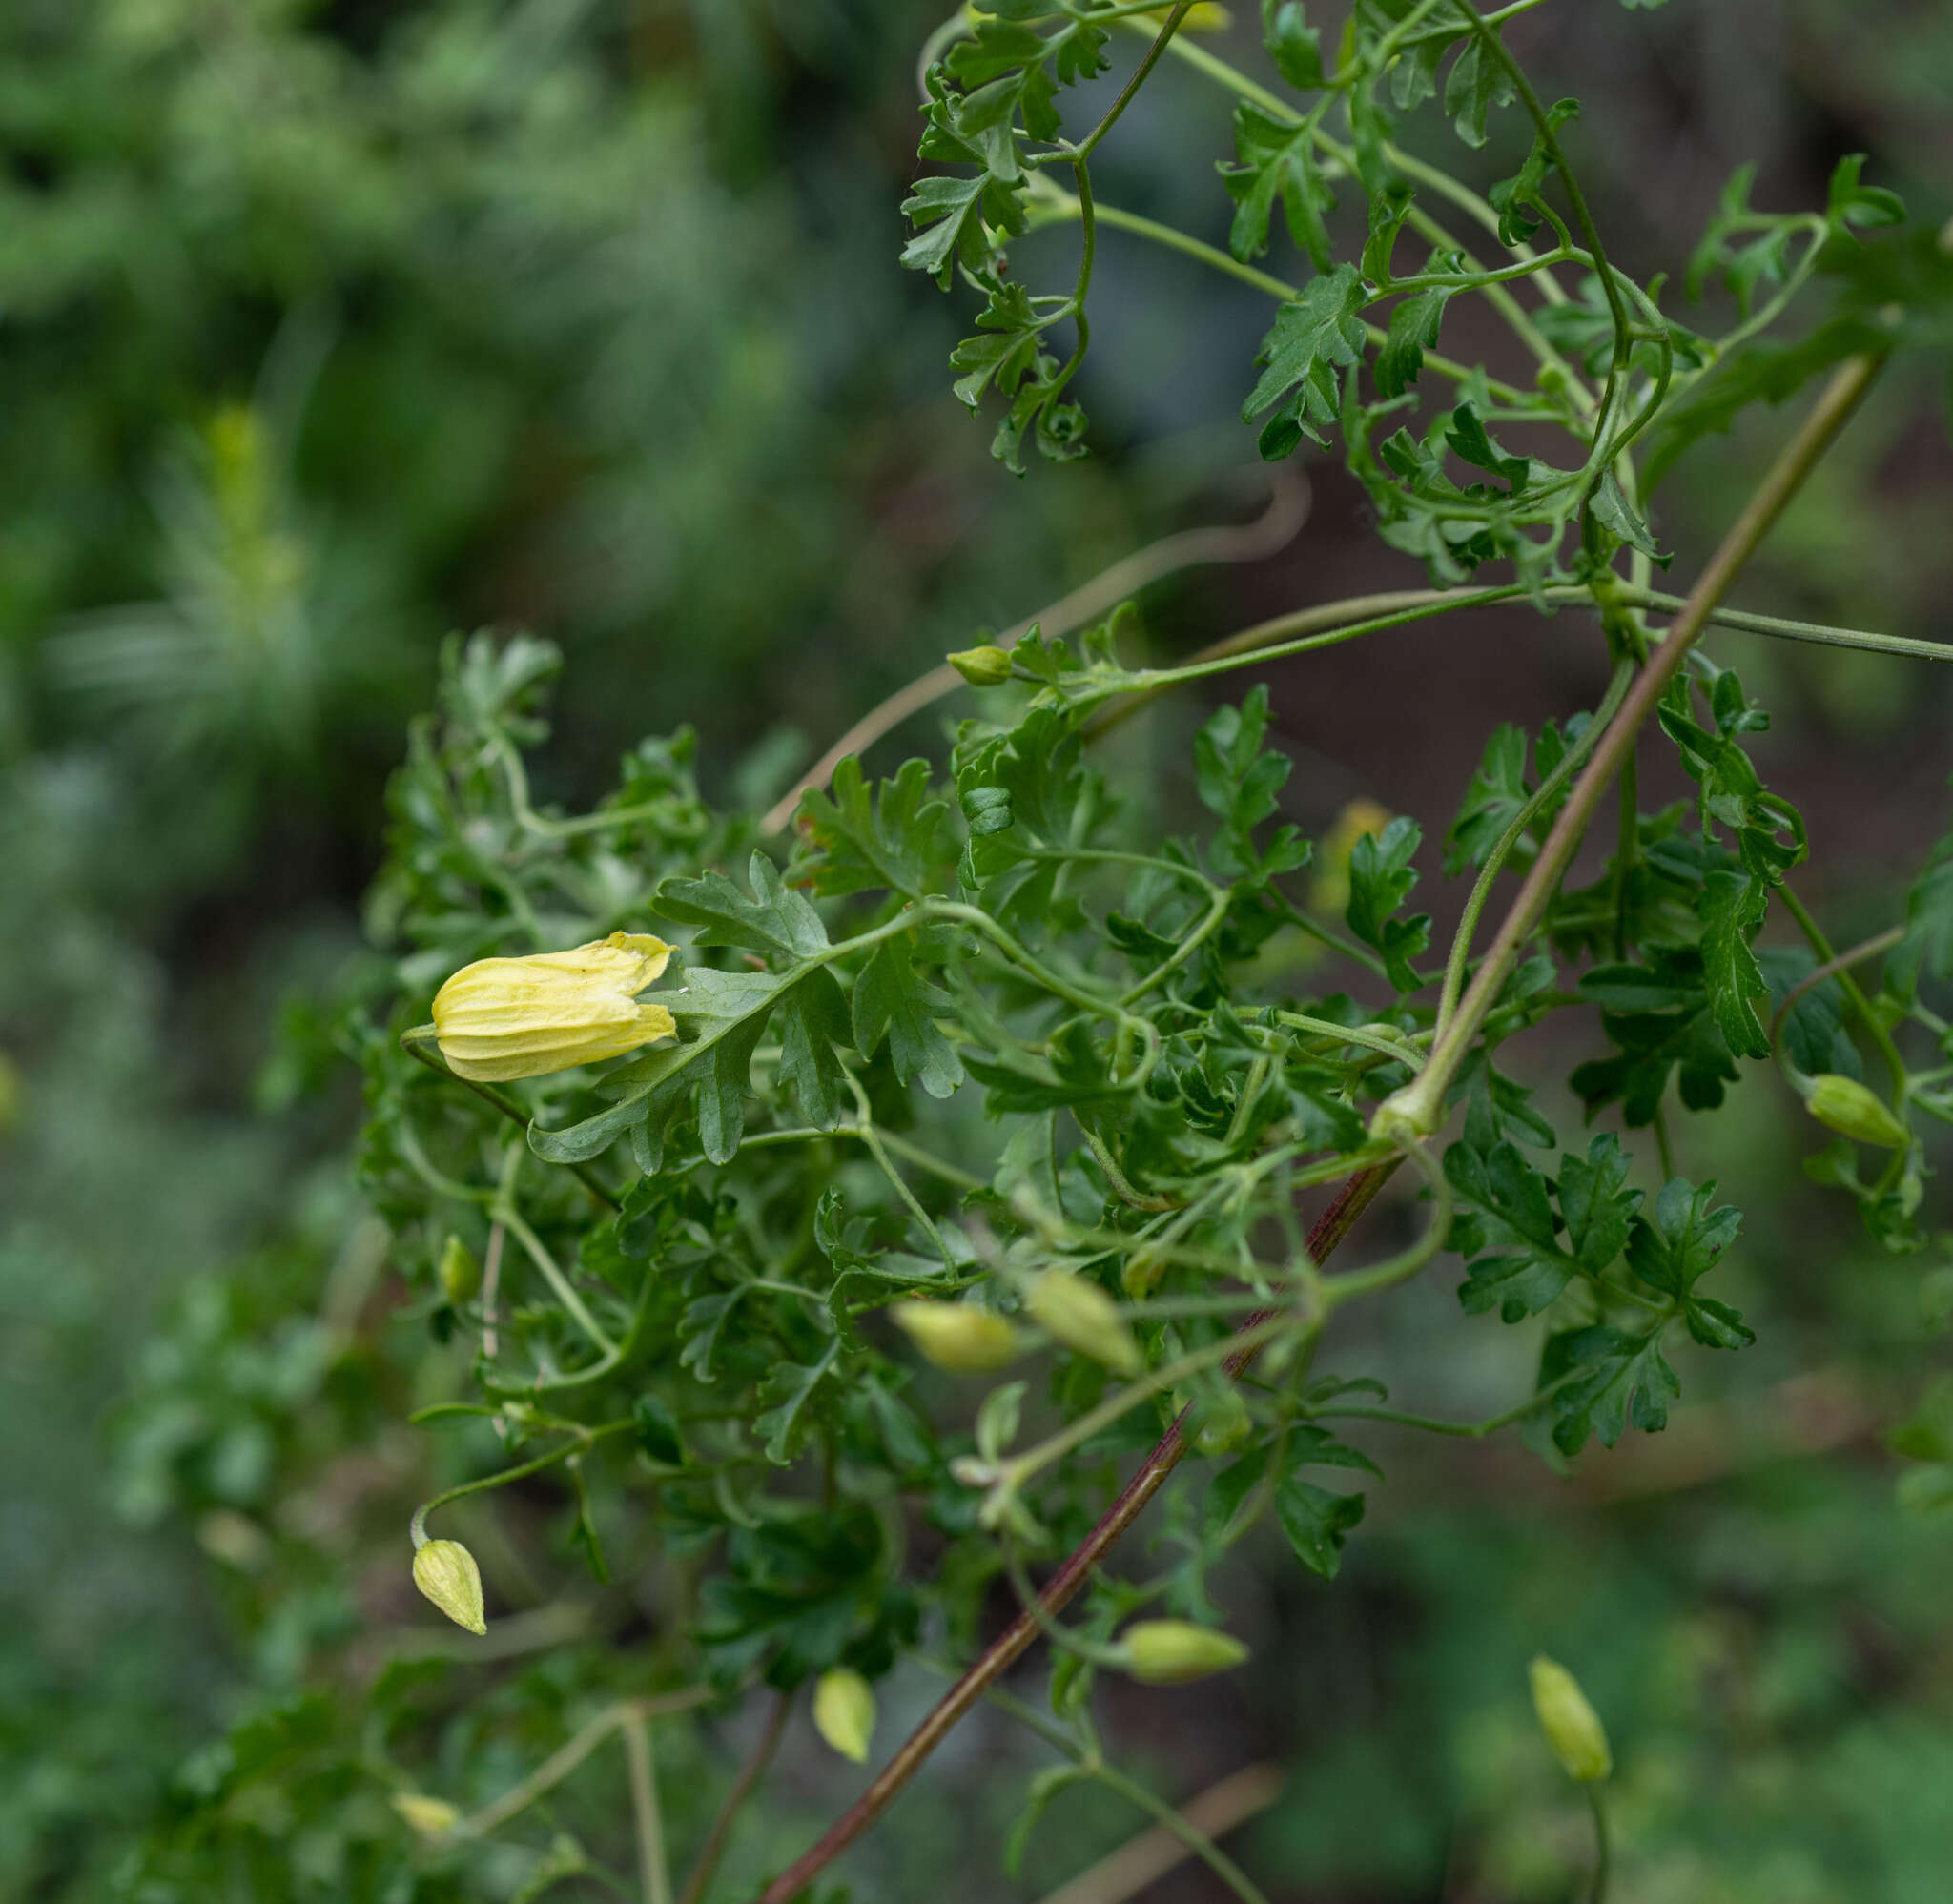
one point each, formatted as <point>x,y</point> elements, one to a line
<point>446,1573</point>
<point>1082,1317</point>
<point>1844,1105</point>
<point>958,1336</point>
<point>461,1274</point>
<point>985,667</point>
<point>1170,1652</point>
<point>1551,380</point>
<point>1572,1727</point>
<point>430,1818</point>
<point>844,1712</point>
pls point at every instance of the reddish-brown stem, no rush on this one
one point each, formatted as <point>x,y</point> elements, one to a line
<point>1335,1224</point>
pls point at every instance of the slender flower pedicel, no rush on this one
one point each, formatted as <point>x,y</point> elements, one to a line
<point>503,1018</point>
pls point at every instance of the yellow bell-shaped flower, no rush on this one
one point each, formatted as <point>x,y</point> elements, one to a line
<point>500,1019</point>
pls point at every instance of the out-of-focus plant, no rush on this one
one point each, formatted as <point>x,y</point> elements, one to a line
<point>977,1072</point>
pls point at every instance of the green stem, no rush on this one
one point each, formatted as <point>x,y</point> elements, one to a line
<point>414,1043</point>
<point>1212,255</point>
<point>872,1137</point>
<point>1419,1108</point>
<point>1603,1848</point>
<point>1494,48</point>
<point>654,1878</point>
<point>505,1212</point>
<point>707,1864</point>
<point>1132,86</point>
<point>1496,859</point>
<point>1189,1835</point>
<point>583,1440</point>
<point>560,1764</point>
<point>1819,632</point>
<point>1401,1268</point>
<point>1841,970</point>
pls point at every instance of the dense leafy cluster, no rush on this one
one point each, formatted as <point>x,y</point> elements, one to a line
<point>1001,1067</point>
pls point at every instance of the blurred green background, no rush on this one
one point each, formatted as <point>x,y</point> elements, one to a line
<point>327,328</point>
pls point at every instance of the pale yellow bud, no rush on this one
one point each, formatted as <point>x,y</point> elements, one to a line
<point>500,1019</point>
<point>958,1336</point>
<point>430,1818</point>
<point>1170,1652</point>
<point>461,1274</point>
<point>1572,1727</point>
<point>844,1712</point>
<point>1082,1317</point>
<point>1844,1105</point>
<point>985,667</point>
<point>446,1573</point>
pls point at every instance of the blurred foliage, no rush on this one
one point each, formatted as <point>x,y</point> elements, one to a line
<point>328,327</point>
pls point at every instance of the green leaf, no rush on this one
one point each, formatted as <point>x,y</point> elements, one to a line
<point>1660,1017</point>
<point>1277,163</point>
<point>1379,880</point>
<point>1492,802</point>
<point>1317,1523</point>
<point>1478,82</point>
<point>1320,331</point>
<point>1413,330</point>
<point>1292,43</point>
<point>1229,1489</point>
<point>810,1021</point>
<point>1510,198</point>
<point>1851,204</point>
<point>1510,1212</point>
<point>1612,511</point>
<point>1599,1210</point>
<point>1683,1240</point>
<point>1929,939</point>
<point>1614,1380</point>
<point>788,1389</point>
<point>1733,907</point>
<point>775,919</point>
<point>1813,1035</point>
<point>896,840</point>
<point>892,1000</point>
<point>950,213</point>
<point>1470,440</point>
<point>724,1013</point>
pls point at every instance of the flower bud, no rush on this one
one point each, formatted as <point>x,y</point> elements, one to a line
<point>1170,1652</point>
<point>446,1573</point>
<point>461,1274</point>
<point>985,667</point>
<point>1844,1105</point>
<point>958,1336</point>
<point>844,1712</point>
<point>430,1818</point>
<point>1082,1317</point>
<point>1572,1727</point>
<point>500,1019</point>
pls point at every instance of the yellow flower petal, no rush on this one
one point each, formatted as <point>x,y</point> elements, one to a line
<point>503,1018</point>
